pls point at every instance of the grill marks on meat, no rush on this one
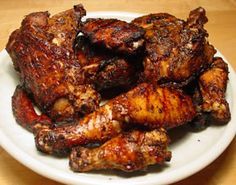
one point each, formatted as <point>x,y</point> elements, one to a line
<point>42,52</point>
<point>147,105</point>
<point>62,72</point>
<point>129,151</point>
<point>114,34</point>
<point>176,50</point>
<point>62,82</point>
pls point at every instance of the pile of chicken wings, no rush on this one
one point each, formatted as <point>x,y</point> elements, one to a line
<point>155,73</point>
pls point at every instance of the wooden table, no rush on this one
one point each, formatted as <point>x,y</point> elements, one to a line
<point>222,29</point>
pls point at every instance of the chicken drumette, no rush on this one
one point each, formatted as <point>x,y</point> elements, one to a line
<point>63,73</point>
<point>147,105</point>
<point>129,151</point>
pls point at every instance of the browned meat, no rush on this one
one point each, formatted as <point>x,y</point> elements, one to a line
<point>147,105</point>
<point>200,121</point>
<point>62,82</point>
<point>24,112</point>
<point>114,34</point>
<point>177,50</point>
<point>128,152</point>
<point>103,68</point>
<point>213,83</point>
<point>42,52</point>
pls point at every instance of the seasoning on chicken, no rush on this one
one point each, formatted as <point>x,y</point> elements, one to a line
<point>114,34</point>
<point>42,53</point>
<point>64,65</point>
<point>61,81</point>
<point>129,151</point>
<point>146,104</point>
<point>102,68</point>
<point>213,83</point>
<point>177,50</point>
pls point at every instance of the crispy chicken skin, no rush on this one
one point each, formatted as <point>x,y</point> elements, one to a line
<point>162,70</point>
<point>62,74</point>
<point>177,50</point>
<point>213,83</point>
<point>103,68</point>
<point>114,34</point>
<point>147,105</point>
<point>42,52</point>
<point>129,151</point>
<point>24,112</point>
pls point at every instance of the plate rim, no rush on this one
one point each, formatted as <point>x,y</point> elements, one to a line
<point>176,175</point>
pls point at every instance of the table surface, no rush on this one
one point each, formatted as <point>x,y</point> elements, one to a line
<point>222,30</point>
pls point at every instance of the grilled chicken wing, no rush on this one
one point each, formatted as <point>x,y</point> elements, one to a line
<point>213,83</point>
<point>129,152</point>
<point>147,105</point>
<point>62,72</point>
<point>177,50</point>
<point>24,112</point>
<point>114,34</point>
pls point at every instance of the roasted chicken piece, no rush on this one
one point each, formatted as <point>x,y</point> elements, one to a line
<point>103,68</point>
<point>193,90</point>
<point>25,114</point>
<point>146,104</point>
<point>114,34</point>
<point>63,82</point>
<point>129,151</point>
<point>42,52</point>
<point>177,50</point>
<point>213,83</point>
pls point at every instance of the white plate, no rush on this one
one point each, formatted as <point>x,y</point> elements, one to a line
<point>191,151</point>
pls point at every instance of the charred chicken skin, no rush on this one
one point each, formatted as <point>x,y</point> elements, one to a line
<point>213,83</point>
<point>63,82</point>
<point>146,104</point>
<point>114,34</point>
<point>103,68</point>
<point>129,151</point>
<point>177,50</point>
<point>42,52</point>
<point>64,64</point>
